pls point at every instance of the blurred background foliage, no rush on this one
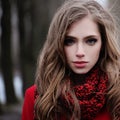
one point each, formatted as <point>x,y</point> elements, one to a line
<point>23,29</point>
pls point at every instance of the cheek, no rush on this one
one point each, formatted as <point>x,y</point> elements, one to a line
<point>67,55</point>
<point>97,49</point>
<point>70,53</point>
<point>94,53</point>
<point>97,54</point>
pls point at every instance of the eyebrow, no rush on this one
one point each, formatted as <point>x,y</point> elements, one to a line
<point>71,37</point>
<point>87,37</point>
<point>91,36</point>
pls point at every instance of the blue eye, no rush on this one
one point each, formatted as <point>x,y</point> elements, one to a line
<point>69,41</point>
<point>91,41</point>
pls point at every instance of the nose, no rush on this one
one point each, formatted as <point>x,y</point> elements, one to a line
<point>80,51</point>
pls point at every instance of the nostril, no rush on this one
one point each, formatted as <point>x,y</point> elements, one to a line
<point>80,52</point>
<point>80,55</point>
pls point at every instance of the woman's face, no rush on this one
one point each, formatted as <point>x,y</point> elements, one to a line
<point>82,45</point>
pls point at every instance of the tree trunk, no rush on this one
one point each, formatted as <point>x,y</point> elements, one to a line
<point>1,112</point>
<point>27,63</point>
<point>6,59</point>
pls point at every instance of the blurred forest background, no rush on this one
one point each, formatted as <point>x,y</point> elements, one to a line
<point>23,29</point>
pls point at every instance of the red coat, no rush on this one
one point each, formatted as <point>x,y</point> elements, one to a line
<point>28,107</point>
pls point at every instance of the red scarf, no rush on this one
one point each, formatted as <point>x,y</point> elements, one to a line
<point>90,94</point>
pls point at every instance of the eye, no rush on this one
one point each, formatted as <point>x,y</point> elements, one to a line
<point>69,41</point>
<point>91,41</point>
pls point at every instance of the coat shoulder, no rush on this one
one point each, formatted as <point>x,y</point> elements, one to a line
<point>31,89</point>
<point>28,105</point>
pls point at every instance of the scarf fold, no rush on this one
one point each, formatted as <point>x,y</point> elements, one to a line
<point>90,95</point>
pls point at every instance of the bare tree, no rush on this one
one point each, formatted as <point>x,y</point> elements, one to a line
<point>27,63</point>
<point>6,60</point>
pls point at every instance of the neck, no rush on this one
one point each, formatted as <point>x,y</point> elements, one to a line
<point>77,79</point>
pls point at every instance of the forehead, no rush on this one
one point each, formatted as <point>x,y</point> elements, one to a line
<point>83,27</point>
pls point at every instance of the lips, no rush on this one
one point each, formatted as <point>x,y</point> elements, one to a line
<point>80,64</point>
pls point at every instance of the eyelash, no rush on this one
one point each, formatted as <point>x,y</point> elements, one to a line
<point>91,41</point>
<point>69,42</point>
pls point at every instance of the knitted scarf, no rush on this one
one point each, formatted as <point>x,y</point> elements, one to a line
<point>90,95</point>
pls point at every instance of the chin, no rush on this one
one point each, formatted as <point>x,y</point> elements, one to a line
<point>81,71</point>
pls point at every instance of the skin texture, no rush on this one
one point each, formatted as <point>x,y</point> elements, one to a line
<point>82,45</point>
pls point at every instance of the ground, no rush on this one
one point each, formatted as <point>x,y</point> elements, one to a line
<point>12,112</point>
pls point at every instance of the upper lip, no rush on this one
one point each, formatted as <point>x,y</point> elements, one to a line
<point>79,62</point>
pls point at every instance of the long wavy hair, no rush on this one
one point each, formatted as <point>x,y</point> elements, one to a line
<point>52,68</point>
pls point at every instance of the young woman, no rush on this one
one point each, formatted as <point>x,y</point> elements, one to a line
<point>78,74</point>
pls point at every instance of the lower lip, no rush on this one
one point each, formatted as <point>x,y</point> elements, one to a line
<point>80,65</point>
